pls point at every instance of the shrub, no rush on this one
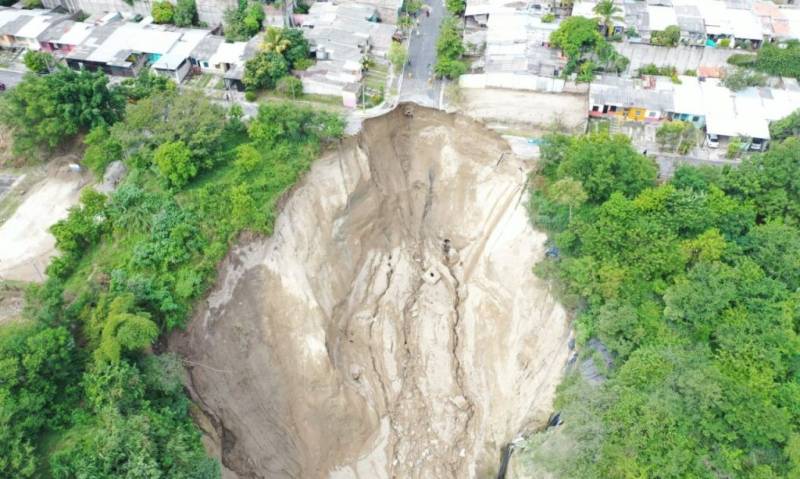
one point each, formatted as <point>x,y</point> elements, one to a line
<point>264,70</point>
<point>38,62</point>
<point>243,21</point>
<point>549,17</point>
<point>102,149</point>
<point>163,12</point>
<point>186,13</point>
<point>785,127</point>
<point>690,73</point>
<point>742,60</point>
<point>398,55</point>
<point>724,43</point>
<point>250,95</point>
<point>174,163</point>
<point>669,37</point>
<point>740,79</point>
<point>290,86</point>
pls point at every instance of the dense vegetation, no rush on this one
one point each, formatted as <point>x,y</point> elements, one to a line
<point>587,51</point>
<point>243,21</point>
<point>692,286</point>
<point>450,50</point>
<point>772,59</point>
<point>82,394</point>
<point>182,14</point>
<point>283,50</point>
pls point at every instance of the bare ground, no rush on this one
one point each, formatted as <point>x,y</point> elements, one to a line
<point>391,327</point>
<point>26,244</point>
<point>525,112</point>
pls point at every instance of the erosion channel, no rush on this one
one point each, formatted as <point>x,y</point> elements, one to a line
<point>391,327</point>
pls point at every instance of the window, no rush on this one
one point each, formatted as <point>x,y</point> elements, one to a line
<point>652,114</point>
<point>205,64</point>
<point>695,118</point>
<point>595,108</point>
<point>613,108</point>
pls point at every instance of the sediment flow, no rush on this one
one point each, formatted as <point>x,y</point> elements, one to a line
<point>391,327</point>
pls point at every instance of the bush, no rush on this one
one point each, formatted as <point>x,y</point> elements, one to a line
<point>724,43</point>
<point>677,136</point>
<point>777,61</point>
<point>740,79</point>
<point>449,50</point>
<point>398,55</point>
<point>785,127</point>
<point>243,21</point>
<point>456,7</point>
<point>264,70</point>
<point>186,13</point>
<point>652,69</point>
<point>174,163</point>
<point>690,73</point>
<point>669,37</point>
<point>163,12</point>
<point>101,150</point>
<point>38,62</point>
<point>250,95</point>
<point>742,60</point>
<point>549,17</point>
<point>290,87</point>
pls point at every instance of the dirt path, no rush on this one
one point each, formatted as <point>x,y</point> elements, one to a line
<point>391,327</point>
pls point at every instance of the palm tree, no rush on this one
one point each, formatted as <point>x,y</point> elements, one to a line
<point>274,41</point>
<point>608,13</point>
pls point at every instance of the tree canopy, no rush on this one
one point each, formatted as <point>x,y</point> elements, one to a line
<point>692,287</point>
<point>43,111</point>
<point>243,21</point>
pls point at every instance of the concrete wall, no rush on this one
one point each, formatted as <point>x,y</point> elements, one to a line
<point>210,11</point>
<point>683,58</point>
<point>512,81</point>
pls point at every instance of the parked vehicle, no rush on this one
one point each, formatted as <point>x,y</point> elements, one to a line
<point>2,86</point>
<point>712,141</point>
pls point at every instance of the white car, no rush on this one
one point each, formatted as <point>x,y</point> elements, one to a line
<point>712,141</point>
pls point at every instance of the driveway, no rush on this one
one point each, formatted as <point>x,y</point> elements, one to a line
<point>419,84</point>
<point>10,78</point>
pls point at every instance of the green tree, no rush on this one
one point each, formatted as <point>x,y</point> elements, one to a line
<point>186,13</point>
<point>449,50</point>
<point>243,21</point>
<point>264,70</point>
<point>677,136</point>
<point>577,37</point>
<point>146,83</point>
<point>298,51</point>
<point>568,192</point>
<point>456,7</point>
<point>608,13</point>
<point>739,79</point>
<point>398,55</point>
<point>124,331</point>
<point>785,127</point>
<point>669,37</point>
<point>163,12</point>
<point>290,87</point>
<point>38,62</point>
<point>606,163</point>
<point>275,41</point>
<point>43,111</point>
<point>174,163</point>
<point>101,149</point>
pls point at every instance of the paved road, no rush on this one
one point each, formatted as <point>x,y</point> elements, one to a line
<point>10,78</point>
<point>419,85</point>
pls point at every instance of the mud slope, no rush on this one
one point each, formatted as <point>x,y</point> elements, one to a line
<point>391,326</point>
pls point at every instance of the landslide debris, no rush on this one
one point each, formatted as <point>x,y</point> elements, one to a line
<point>391,326</point>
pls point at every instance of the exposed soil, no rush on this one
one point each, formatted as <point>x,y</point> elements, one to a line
<point>391,326</point>
<point>26,244</point>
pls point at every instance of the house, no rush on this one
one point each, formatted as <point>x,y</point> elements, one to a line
<point>341,37</point>
<point>388,11</point>
<point>20,29</point>
<point>123,48</point>
<point>61,38</point>
<point>176,63</point>
<point>706,103</point>
<point>624,99</point>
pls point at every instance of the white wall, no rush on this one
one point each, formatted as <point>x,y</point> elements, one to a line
<point>209,11</point>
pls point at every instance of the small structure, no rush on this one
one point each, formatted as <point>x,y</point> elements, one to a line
<point>20,29</point>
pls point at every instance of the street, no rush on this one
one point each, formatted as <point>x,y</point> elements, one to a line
<point>10,78</point>
<point>419,85</point>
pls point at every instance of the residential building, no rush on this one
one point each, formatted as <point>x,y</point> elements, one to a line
<point>341,37</point>
<point>209,11</point>
<point>21,28</point>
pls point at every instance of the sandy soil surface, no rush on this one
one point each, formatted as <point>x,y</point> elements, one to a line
<point>525,111</point>
<point>26,245</point>
<point>391,327</point>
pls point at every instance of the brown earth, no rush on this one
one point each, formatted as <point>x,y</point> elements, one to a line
<point>391,326</point>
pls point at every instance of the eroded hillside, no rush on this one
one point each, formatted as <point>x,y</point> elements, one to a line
<point>391,326</point>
